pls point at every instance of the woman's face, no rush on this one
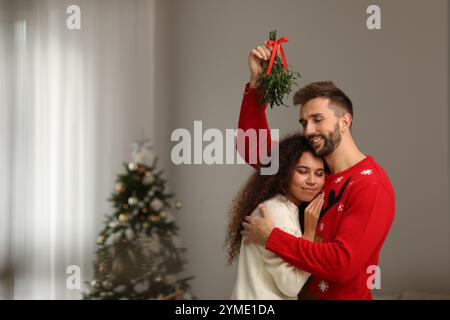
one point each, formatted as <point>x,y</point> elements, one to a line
<point>307,178</point>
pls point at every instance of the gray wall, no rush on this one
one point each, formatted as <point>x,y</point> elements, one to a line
<point>397,78</point>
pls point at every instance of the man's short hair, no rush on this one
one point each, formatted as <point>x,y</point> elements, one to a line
<point>324,89</point>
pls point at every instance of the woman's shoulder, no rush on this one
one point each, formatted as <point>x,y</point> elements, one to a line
<point>276,200</point>
<point>275,206</point>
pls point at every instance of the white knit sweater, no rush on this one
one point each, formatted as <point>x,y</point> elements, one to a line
<point>262,275</point>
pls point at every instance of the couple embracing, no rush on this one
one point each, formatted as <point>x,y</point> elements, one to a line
<point>314,229</point>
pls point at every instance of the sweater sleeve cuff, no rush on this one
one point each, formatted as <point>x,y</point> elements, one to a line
<point>254,93</point>
<point>277,240</point>
<point>248,89</point>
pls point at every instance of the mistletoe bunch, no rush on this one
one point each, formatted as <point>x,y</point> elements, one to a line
<point>277,79</point>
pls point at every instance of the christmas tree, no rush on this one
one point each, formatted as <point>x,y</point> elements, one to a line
<point>139,254</point>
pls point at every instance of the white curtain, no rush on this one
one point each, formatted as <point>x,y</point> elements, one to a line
<point>71,104</point>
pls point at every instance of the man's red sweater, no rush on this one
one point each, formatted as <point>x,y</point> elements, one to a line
<point>357,214</point>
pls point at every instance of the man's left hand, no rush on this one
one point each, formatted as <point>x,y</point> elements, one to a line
<point>257,230</point>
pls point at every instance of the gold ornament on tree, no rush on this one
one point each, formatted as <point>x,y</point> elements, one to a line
<point>154,218</point>
<point>100,240</point>
<point>142,168</point>
<point>148,178</point>
<point>120,187</point>
<point>132,201</point>
<point>102,267</point>
<point>177,295</point>
<point>132,166</point>
<point>123,218</point>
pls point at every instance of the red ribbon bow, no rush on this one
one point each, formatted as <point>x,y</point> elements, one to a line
<point>276,45</point>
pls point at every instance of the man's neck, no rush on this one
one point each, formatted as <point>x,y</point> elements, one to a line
<point>344,156</point>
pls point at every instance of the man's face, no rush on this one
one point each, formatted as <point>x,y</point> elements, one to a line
<point>320,126</point>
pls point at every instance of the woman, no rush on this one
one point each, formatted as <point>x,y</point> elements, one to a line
<point>301,175</point>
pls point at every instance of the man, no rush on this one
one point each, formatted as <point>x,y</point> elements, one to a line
<point>359,205</point>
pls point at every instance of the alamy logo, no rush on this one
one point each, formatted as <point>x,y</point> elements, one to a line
<point>221,148</point>
<point>73,22</point>
<point>374,280</point>
<point>373,21</point>
<point>73,281</point>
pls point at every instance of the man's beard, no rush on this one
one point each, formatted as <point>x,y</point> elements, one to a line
<point>330,142</point>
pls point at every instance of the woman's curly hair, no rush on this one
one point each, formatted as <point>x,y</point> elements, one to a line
<point>260,188</point>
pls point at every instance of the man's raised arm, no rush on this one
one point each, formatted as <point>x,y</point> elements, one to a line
<point>252,117</point>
